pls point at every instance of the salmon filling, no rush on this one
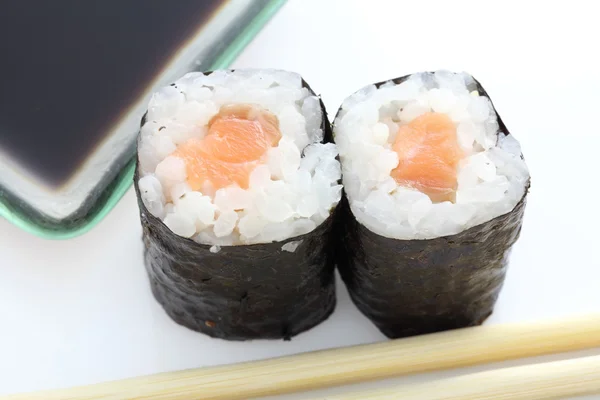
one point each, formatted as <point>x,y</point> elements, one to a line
<point>425,156</point>
<point>429,154</point>
<point>237,140</point>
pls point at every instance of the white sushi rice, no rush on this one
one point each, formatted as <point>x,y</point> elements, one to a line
<point>289,195</point>
<point>492,177</point>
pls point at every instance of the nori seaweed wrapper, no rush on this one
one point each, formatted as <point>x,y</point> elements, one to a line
<point>243,292</point>
<point>413,287</point>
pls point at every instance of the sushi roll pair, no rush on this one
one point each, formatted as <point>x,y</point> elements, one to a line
<point>240,197</point>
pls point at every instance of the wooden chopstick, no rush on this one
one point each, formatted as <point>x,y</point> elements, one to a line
<point>458,348</point>
<point>552,380</point>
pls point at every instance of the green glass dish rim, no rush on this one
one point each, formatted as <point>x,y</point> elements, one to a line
<point>124,180</point>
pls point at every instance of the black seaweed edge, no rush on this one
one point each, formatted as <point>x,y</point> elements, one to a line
<point>328,224</point>
<point>347,221</point>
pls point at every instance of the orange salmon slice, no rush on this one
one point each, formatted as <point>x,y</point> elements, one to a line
<point>429,154</point>
<point>237,140</point>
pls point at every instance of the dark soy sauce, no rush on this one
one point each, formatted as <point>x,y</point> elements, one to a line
<point>69,69</point>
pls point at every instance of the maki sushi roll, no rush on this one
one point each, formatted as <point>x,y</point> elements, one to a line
<point>434,193</point>
<point>237,180</point>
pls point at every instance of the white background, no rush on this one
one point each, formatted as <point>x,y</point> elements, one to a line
<point>80,311</point>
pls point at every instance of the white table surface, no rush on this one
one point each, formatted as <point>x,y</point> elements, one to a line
<point>80,311</point>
